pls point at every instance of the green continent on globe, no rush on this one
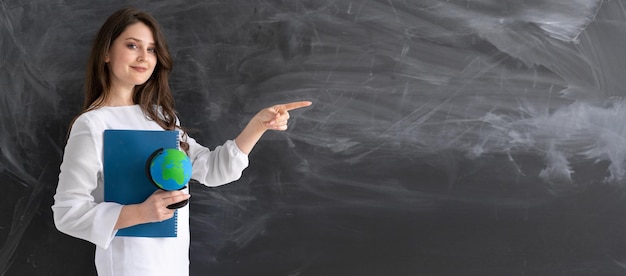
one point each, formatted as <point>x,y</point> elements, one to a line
<point>172,167</point>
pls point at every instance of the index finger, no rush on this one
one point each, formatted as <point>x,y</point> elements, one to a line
<point>296,105</point>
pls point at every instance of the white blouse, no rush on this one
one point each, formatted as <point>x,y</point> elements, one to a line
<point>79,209</point>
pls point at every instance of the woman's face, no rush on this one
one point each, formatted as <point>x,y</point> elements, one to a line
<point>132,57</point>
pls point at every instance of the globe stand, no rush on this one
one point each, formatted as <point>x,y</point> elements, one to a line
<point>154,155</point>
<point>178,204</point>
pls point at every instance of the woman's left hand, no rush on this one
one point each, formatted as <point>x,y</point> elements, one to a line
<point>277,116</point>
<point>271,118</point>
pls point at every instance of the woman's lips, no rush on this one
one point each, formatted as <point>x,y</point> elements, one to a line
<point>139,69</point>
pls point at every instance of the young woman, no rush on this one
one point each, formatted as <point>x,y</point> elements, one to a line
<point>127,88</point>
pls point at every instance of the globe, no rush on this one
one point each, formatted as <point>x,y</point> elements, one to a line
<point>170,169</point>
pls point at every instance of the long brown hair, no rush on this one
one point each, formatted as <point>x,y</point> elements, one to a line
<point>155,92</point>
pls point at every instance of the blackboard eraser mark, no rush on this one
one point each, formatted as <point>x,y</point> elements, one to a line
<point>588,95</point>
<point>569,20</point>
<point>293,39</point>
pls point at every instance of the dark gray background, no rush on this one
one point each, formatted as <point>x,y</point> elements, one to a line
<point>446,137</point>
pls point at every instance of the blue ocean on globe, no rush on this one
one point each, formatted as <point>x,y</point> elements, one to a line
<point>170,169</point>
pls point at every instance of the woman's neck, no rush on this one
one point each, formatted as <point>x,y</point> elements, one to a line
<point>120,102</point>
<point>120,97</point>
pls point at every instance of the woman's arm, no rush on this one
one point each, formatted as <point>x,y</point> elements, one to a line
<point>271,118</point>
<point>226,163</point>
<point>76,211</point>
<point>153,209</point>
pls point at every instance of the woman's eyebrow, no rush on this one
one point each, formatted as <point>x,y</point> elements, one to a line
<point>138,40</point>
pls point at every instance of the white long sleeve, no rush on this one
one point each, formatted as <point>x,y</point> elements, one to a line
<point>76,211</point>
<point>221,166</point>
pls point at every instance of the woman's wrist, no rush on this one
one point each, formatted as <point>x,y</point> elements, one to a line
<point>250,135</point>
<point>129,216</point>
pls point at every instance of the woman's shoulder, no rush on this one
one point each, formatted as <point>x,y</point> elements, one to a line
<point>106,116</point>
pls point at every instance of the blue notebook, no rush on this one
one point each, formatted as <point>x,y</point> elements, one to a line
<point>125,179</point>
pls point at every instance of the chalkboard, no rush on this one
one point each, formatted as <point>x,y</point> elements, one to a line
<point>446,137</point>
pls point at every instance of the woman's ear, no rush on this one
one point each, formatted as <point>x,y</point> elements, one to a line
<point>106,58</point>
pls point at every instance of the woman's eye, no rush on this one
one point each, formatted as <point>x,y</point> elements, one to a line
<point>151,50</point>
<point>131,46</point>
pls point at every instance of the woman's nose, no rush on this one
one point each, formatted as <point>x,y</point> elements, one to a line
<point>142,55</point>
